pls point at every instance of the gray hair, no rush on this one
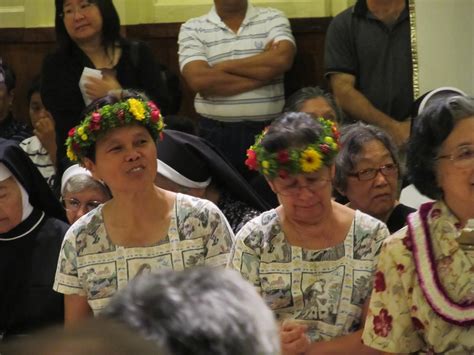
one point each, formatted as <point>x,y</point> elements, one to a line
<point>295,102</point>
<point>81,182</point>
<point>353,138</point>
<point>197,311</point>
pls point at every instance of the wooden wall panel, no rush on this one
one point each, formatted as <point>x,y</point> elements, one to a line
<point>24,50</point>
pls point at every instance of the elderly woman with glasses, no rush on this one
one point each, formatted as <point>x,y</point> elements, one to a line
<point>367,173</point>
<point>423,297</point>
<point>312,259</point>
<point>81,193</point>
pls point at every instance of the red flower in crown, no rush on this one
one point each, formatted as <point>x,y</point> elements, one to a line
<point>71,132</point>
<point>152,105</point>
<point>283,157</point>
<point>383,323</point>
<point>324,148</point>
<point>121,115</point>
<point>282,173</point>
<point>155,115</point>
<point>95,122</point>
<point>251,161</point>
<point>379,282</point>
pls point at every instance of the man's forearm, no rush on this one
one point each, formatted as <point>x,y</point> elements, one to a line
<point>263,66</point>
<point>359,107</point>
<point>214,82</point>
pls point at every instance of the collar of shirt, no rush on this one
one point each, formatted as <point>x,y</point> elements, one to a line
<point>249,15</point>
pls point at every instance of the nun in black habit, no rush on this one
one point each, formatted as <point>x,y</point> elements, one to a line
<point>189,164</point>
<point>32,227</point>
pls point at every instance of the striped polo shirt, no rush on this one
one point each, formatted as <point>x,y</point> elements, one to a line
<point>209,39</point>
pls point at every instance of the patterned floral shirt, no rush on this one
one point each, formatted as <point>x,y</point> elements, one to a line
<point>325,289</point>
<point>91,265</point>
<point>400,318</point>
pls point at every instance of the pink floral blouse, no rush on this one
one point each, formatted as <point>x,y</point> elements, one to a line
<point>423,295</point>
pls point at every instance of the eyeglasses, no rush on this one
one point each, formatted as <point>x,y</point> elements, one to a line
<point>369,174</point>
<point>83,8</point>
<point>73,205</point>
<point>462,157</point>
<point>292,187</point>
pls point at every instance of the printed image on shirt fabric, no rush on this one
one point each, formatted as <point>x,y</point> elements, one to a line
<point>276,290</point>
<point>321,295</point>
<point>100,280</point>
<point>362,286</point>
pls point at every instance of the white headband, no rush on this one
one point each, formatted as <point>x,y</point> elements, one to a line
<point>435,91</point>
<point>73,170</point>
<point>171,174</point>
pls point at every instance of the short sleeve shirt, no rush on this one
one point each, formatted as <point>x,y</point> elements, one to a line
<point>379,56</point>
<point>326,289</point>
<point>91,265</point>
<point>400,318</point>
<point>208,38</point>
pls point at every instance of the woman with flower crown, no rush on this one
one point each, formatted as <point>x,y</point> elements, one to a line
<point>423,297</point>
<point>312,259</point>
<point>142,228</point>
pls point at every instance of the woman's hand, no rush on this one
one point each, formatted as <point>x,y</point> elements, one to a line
<point>293,338</point>
<point>44,130</point>
<point>96,88</point>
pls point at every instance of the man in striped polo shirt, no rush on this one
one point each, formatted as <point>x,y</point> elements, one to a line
<point>234,59</point>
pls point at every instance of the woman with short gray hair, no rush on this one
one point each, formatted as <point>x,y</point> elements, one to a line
<point>368,174</point>
<point>81,193</point>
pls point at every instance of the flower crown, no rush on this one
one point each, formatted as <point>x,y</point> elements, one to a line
<point>133,110</point>
<point>294,161</point>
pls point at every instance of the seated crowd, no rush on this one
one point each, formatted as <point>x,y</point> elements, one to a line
<point>120,221</point>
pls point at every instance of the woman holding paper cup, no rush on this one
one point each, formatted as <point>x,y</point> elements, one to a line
<point>92,59</point>
<point>423,297</point>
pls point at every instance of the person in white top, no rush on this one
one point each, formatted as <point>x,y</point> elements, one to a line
<point>234,58</point>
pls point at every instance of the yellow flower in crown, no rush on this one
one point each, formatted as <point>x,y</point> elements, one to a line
<point>310,160</point>
<point>82,138</point>
<point>137,109</point>
<point>70,154</point>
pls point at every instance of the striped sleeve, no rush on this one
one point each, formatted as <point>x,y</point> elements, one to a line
<point>191,48</point>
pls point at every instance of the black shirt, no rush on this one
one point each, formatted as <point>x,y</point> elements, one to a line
<point>379,56</point>
<point>397,219</point>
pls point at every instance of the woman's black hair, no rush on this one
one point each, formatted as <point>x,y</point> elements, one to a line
<point>110,25</point>
<point>430,130</point>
